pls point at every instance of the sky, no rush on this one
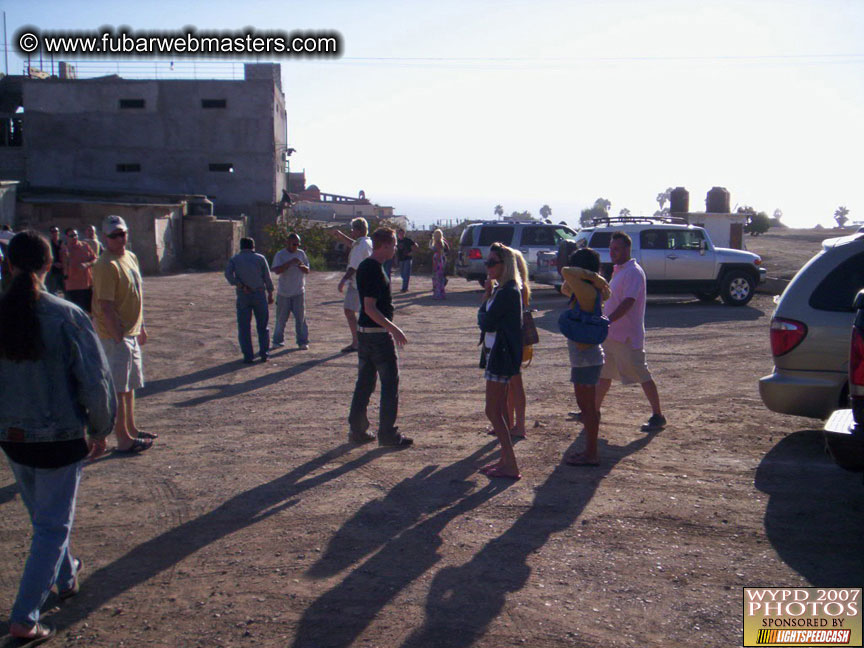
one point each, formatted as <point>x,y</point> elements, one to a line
<point>446,109</point>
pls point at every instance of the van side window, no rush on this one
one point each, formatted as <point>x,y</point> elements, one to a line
<point>495,234</point>
<point>544,236</point>
<point>837,290</point>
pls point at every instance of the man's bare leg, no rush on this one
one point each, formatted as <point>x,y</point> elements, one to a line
<point>121,429</point>
<point>351,316</point>
<point>653,396</point>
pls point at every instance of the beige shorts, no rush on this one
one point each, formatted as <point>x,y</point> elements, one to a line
<point>352,299</point>
<point>124,358</point>
<point>624,363</point>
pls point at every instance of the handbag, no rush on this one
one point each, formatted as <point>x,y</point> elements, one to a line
<point>530,336</point>
<point>582,326</point>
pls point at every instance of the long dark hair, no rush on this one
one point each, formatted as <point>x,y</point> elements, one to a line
<point>20,334</point>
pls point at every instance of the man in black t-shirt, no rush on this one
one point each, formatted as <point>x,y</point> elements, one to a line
<point>404,247</point>
<point>377,338</point>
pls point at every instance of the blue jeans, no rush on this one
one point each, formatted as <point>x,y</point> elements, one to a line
<point>405,271</point>
<point>247,304</point>
<point>286,306</point>
<point>388,267</point>
<point>376,354</point>
<point>49,495</point>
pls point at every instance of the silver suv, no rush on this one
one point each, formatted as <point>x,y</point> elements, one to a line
<point>529,237</point>
<point>676,257</point>
<point>810,332</point>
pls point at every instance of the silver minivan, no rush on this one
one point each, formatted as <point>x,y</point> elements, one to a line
<point>529,237</point>
<point>810,331</point>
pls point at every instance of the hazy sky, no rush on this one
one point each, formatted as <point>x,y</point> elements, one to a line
<point>445,109</point>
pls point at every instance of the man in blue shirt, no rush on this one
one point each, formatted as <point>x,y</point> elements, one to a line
<point>249,273</point>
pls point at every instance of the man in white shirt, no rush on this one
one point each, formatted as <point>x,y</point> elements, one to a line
<point>292,266</point>
<point>361,248</point>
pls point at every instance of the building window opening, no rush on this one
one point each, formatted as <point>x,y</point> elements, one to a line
<point>11,133</point>
<point>214,103</point>
<point>222,167</point>
<point>129,168</point>
<point>132,103</point>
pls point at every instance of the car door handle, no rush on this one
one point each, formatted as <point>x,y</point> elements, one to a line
<point>671,256</point>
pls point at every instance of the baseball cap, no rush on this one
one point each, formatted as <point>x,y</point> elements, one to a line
<point>113,223</point>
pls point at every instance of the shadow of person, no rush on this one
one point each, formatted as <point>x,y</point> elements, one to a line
<point>8,492</point>
<point>160,553</point>
<point>168,384</point>
<point>403,558</point>
<point>815,513</point>
<point>381,519</point>
<point>463,600</point>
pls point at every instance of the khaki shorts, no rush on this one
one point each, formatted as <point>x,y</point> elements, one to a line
<point>124,358</point>
<point>352,299</point>
<point>624,363</point>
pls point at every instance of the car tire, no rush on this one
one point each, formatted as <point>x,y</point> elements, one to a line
<point>707,296</point>
<point>737,288</point>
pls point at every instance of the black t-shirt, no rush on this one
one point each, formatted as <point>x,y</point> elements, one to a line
<point>403,249</point>
<point>372,281</point>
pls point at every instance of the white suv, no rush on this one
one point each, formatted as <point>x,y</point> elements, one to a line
<point>676,257</point>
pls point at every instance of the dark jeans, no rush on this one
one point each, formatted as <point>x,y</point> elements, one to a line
<point>54,281</point>
<point>247,304</point>
<point>376,354</point>
<point>405,270</point>
<point>81,298</point>
<point>388,267</point>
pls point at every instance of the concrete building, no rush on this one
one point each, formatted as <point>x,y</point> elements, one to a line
<point>222,138</point>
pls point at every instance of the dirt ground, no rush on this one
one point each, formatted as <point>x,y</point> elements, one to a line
<point>252,523</point>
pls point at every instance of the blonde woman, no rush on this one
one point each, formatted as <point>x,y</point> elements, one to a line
<point>516,390</point>
<point>500,320</point>
<point>440,248</point>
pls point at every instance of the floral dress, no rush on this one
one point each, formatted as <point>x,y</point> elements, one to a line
<point>439,280</point>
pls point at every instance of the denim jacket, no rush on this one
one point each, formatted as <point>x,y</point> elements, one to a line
<point>68,388</point>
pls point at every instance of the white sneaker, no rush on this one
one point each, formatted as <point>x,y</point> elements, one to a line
<point>303,347</point>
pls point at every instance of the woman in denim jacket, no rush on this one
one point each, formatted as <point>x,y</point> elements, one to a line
<point>500,319</point>
<point>54,382</point>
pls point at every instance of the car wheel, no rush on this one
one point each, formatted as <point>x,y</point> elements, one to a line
<point>707,296</point>
<point>737,288</point>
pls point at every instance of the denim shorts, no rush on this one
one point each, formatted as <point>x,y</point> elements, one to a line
<point>585,375</point>
<point>496,378</point>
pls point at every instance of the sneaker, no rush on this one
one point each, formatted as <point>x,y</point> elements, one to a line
<point>395,441</point>
<point>303,347</point>
<point>248,360</point>
<point>365,437</point>
<point>276,345</point>
<point>656,423</point>
<point>264,357</point>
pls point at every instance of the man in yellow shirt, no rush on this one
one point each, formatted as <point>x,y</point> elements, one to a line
<point>118,313</point>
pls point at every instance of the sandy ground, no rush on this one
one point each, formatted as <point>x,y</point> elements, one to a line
<point>252,523</point>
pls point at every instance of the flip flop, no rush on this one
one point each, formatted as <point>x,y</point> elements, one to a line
<point>496,472</point>
<point>580,460</point>
<point>485,469</point>
<point>43,632</point>
<point>147,435</point>
<point>138,446</point>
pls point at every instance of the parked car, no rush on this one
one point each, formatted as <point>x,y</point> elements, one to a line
<point>529,237</point>
<point>844,430</point>
<point>676,257</point>
<point>810,332</point>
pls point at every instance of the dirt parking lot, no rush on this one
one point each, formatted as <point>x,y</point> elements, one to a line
<point>252,523</point>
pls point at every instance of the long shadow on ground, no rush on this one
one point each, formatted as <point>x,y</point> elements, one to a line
<point>462,600</point>
<point>815,514</point>
<point>162,552</point>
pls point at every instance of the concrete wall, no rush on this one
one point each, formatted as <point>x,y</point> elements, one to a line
<point>208,244</point>
<point>76,135</point>
<point>719,227</point>
<point>155,231</point>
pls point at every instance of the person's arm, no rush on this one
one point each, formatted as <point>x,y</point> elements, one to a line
<point>112,319</point>
<point>231,272</point>
<point>622,309</point>
<point>372,312</point>
<point>342,236</point>
<point>303,265</point>
<point>349,273</point>
<point>506,301</point>
<point>268,281</point>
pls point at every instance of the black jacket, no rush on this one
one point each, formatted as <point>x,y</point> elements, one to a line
<point>504,319</point>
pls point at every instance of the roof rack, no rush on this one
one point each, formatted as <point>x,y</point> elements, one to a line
<point>614,220</point>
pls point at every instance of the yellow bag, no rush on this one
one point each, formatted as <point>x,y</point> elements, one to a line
<point>527,354</point>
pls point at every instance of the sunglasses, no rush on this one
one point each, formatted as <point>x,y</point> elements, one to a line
<point>73,235</point>
<point>491,263</point>
<point>117,235</point>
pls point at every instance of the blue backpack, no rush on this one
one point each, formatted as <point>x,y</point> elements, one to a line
<point>582,326</point>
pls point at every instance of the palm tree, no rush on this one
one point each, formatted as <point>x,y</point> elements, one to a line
<point>840,215</point>
<point>624,213</point>
<point>499,210</point>
<point>545,211</point>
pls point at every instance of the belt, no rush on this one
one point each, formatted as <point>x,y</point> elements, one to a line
<point>371,329</point>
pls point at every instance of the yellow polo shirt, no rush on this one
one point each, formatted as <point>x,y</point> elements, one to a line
<point>118,279</point>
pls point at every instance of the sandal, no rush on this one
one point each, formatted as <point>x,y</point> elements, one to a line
<point>72,591</point>
<point>496,472</point>
<point>147,435</point>
<point>138,446</point>
<point>39,634</point>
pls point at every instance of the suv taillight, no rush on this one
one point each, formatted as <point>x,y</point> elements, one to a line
<point>786,334</point>
<point>475,254</point>
<point>856,358</point>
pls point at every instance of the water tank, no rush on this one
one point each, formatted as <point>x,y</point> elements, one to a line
<point>717,201</point>
<point>199,206</point>
<point>679,201</point>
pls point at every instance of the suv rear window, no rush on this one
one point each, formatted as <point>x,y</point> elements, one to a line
<point>467,237</point>
<point>837,291</point>
<point>495,234</point>
<point>544,236</point>
<point>600,240</point>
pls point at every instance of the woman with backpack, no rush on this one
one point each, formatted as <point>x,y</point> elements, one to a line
<point>500,321</point>
<point>585,287</point>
